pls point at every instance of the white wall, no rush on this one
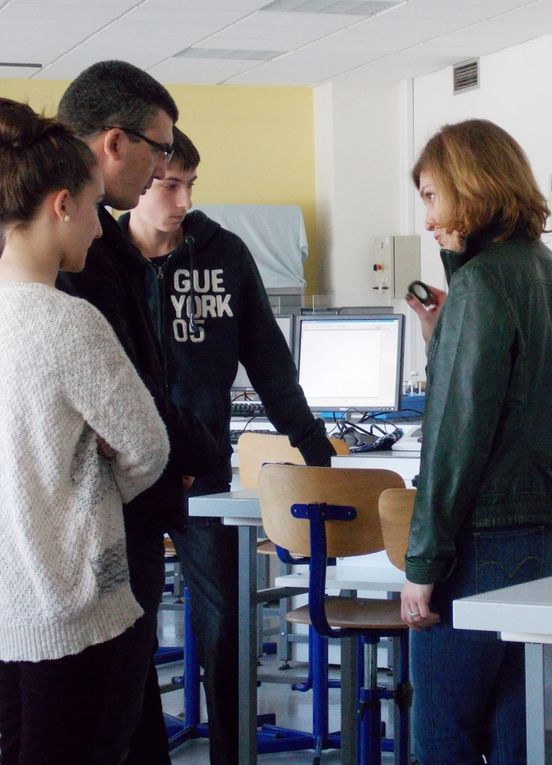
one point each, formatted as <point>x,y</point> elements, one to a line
<point>367,138</point>
<point>358,181</point>
<point>364,150</point>
<point>515,92</point>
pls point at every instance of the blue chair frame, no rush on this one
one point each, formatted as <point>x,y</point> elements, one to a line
<point>369,745</point>
<point>270,737</point>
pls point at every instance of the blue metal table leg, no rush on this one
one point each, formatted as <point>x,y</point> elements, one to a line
<point>181,730</point>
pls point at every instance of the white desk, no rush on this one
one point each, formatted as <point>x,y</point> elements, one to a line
<point>406,464</point>
<point>242,509</point>
<point>522,613</point>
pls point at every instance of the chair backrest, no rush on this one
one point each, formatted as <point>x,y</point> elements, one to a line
<point>395,511</point>
<point>280,486</point>
<point>254,449</point>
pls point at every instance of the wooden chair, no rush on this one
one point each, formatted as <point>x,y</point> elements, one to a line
<point>323,512</point>
<point>395,512</point>
<point>254,449</point>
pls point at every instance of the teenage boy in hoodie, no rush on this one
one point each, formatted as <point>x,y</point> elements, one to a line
<point>211,310</point>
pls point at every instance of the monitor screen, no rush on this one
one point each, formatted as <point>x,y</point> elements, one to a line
<point>350,361</point>
<point>242,381</point>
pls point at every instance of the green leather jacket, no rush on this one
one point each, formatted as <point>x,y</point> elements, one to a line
<point>487,449</point>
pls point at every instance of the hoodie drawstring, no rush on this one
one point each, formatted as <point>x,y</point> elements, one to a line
<point>190,303</point>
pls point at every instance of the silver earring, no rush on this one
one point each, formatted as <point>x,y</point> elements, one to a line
<point>67,219</point>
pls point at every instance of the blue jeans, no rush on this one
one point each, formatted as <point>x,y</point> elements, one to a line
<point>469,687</point>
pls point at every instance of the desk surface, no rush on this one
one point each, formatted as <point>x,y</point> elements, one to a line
<point>243,503</point>
<point>522,613</point>
<point>406,464</point>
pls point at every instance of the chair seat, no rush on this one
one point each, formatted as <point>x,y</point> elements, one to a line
<point>355,613</point>
<point>266,547</point>
<point>170,551</point>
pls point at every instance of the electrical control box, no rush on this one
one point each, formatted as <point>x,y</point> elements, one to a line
<point>395,263</point>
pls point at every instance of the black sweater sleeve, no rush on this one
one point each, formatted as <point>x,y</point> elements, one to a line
<point>273,374</point>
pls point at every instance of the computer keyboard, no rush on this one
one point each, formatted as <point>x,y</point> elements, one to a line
<point>248,409</point>
<point>236,433</point>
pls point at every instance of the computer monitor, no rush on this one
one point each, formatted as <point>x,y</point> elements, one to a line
<point>242,381</point>
<point>350,361</point>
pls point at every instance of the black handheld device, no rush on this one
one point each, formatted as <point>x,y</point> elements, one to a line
<point>422,292</point>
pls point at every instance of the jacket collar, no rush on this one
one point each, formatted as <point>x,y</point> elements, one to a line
<point>473,245</point>
<point>196,223</point>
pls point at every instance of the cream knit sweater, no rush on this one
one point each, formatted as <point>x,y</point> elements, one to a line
<point>63,379</point>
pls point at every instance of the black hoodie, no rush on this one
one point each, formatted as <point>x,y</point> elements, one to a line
<point>230,320</point>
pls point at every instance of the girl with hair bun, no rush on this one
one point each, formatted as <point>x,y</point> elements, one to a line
<point>79,435</point>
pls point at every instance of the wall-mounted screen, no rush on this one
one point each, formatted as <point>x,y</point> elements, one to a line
<point>350,361</point>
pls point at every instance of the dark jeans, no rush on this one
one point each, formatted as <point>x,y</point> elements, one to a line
<point>50,710</point>
<point>132,730</point>
<point>208,554</point>
<point>469,687</point>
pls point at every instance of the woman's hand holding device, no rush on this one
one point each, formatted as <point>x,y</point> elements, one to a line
<point>427,302</point>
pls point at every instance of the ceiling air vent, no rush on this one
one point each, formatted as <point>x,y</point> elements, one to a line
<point>466,76</point>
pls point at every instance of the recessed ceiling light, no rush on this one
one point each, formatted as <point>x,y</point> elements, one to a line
<point>20,64</point>
<point>364,8</point>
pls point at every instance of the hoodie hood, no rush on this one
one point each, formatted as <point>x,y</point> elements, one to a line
<point>195,224</point>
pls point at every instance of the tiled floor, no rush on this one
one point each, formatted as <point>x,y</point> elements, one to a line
<point>292,708</point>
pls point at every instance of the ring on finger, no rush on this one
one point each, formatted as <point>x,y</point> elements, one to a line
<point>413,614</point>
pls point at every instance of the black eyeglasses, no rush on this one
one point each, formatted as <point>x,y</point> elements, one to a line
<point>163,148</point>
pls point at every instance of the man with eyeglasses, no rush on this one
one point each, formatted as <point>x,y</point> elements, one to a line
<point>126,118</point>
<point>164,150</point>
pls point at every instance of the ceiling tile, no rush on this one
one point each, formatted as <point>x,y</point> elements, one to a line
<point>214,19</point>
<point>238,7</point>
<point>114,7</point>
<point>197,71</point>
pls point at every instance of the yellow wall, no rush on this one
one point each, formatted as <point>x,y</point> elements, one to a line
<point>256,143</point>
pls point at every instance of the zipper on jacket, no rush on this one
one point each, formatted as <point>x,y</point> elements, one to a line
<point>160,313</point>
<point>161,307</point>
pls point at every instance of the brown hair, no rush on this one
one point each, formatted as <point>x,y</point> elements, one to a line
<point>37,155</point>
<point>186,156</point>
<point>484,180</point>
